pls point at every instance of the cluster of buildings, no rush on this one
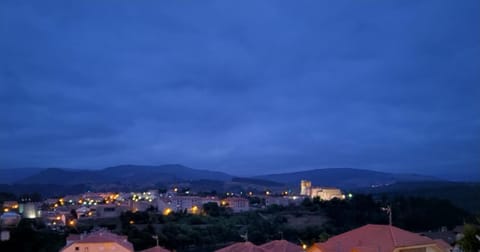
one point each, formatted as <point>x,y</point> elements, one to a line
<point>67,210</point>
<point>368,238</point>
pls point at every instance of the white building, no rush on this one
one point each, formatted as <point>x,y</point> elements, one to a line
<point>324,193</point>
<point>237,204</point>
<point>189,203</point>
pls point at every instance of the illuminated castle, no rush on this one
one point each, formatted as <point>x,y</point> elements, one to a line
<point>325,193</point>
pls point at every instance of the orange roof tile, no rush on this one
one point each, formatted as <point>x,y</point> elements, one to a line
<point>73,237</point>
<point>442,244</point>
<point>369,238</point>
<point>242,247</point>
<point>155,249</point>
<point>102,236</point>
<point>281,246</point>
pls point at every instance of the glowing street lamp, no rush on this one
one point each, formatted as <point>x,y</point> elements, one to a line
<point>167,211</point>
<point>194,209</point>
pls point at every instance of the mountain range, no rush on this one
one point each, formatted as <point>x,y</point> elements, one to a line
<point>123,174</point>
<point>141,175</point>
<point>60,181</point>
<point>345,177</point>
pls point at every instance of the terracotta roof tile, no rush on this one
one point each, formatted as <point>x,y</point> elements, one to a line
<point>281,246</point>
<point>242,247</point>
<point>155,249</point>
<point>379,238</point>
<point>443,244</point>
<point>101,236</point>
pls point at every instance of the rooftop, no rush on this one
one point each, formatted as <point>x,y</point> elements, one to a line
<point>378,238</point>
<point>100,236</point>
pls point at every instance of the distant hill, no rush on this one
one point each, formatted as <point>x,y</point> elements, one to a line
<point>9,176</point>
<point>259,182</point>
<point>345,178</point>
<point>46,190</point>
<point>52,181</point>
<point>140,176</point>
<point>462,194</point>
<point>124,174</point>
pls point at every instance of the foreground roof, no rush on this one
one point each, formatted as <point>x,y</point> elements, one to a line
<point>374,238</point>
<point>155,249</point>
<point>242,247</point>
<point>100,236</point>
<point>281,246</point>
<point>442,244</point>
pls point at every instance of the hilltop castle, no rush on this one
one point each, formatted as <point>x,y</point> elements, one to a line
<point>325,193</point>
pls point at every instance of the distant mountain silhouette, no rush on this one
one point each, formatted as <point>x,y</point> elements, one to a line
<point>9,176</point>
<point>346,178</point>
<point>256,181</point>
<point>58,181</point>
<point>144,176</point>
<point>123,174</point>
<point>462,194</point>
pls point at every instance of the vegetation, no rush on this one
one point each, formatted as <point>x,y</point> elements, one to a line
<point>217,226</point>
<point>461,194</point>
<point>470,241</point>
<point>31,235</point>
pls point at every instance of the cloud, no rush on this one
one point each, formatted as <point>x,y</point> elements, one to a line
<point>251,87</point>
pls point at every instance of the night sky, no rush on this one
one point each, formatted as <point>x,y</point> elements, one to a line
<point>245,87</point>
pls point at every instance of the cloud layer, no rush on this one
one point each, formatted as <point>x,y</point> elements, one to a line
<point>244,87</point>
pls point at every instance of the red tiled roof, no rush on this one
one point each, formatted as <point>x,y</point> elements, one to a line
<point>281,246</point>
<point>242,247</point>
<point>73,237</point>
<point>369,238</point>
<point>101,236</point>
<point>155,249</point>
<point>442,244</point>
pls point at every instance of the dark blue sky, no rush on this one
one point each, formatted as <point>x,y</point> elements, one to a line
<point>246,87</point>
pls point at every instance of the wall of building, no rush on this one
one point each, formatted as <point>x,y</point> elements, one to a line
<point>95,247</point>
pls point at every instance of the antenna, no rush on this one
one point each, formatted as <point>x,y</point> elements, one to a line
<point>156,238</point>
<point>245,236</point>
<point>388,209</point>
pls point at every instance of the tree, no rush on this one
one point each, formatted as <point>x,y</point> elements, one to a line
<point>469,242</point>
<point>74,214</point>
<point>212,209</point>
<point>6,196</point>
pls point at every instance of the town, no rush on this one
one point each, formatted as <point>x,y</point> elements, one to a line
<point>93,221</point>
